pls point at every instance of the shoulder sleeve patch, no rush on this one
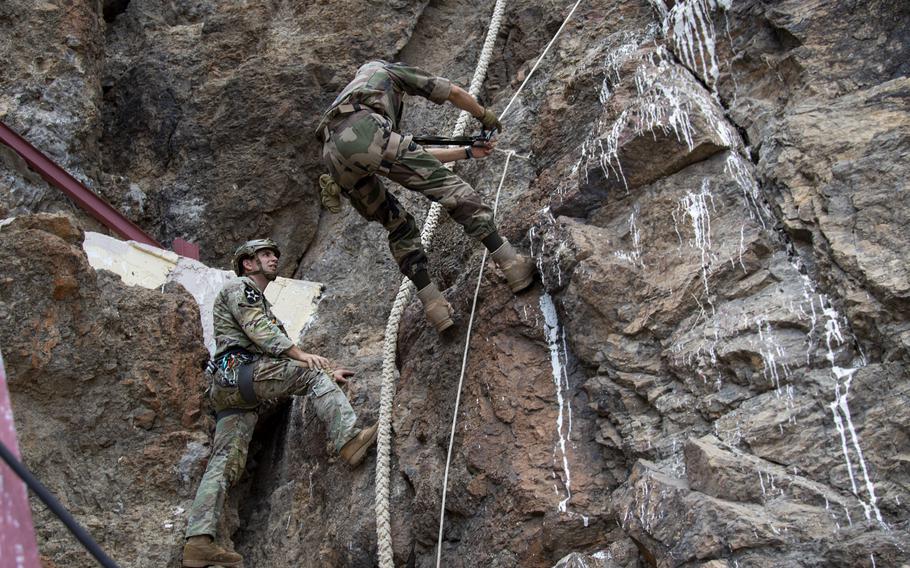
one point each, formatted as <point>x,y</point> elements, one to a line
<point>251,294</point>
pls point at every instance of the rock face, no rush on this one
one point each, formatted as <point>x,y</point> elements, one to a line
<point>53,57</point>
<point>711,370</point>
<point>106,384</point>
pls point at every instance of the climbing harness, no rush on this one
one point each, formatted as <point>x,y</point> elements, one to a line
<point>234,369</point>
<point>236,366</point>
<point>383,528</point>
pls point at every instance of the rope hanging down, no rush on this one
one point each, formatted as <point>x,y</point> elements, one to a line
<point>464,360</point>
<point>383,450</point>
<point>383,526</point>
<point>464,365</point>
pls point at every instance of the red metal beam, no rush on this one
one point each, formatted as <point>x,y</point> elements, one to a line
<point>83,196</point>
<point>185,248</point>
<point>17,534</point>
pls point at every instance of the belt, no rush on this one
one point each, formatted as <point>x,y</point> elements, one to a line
<point>232,351</point>
<point>322,132</point>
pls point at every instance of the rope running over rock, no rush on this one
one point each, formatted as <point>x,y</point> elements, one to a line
<point>405,291</point>
<point>464,359</point>
<point>383,451</point>
<point>464,365</point>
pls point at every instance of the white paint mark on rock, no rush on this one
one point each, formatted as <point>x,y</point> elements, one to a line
<point>555,335</point>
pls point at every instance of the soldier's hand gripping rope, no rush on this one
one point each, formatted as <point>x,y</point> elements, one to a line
<point>489,120</point>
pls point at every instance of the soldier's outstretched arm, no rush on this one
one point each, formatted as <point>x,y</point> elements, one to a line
<point>465,101</point>
<point>478,150</point>
<point>308,359</point>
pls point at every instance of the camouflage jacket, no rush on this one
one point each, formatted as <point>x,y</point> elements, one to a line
<point>380,86</point>
<point>243,318</point>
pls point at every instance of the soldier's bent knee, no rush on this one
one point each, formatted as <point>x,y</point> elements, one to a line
<point>324,385</point>
<point>299,377</point>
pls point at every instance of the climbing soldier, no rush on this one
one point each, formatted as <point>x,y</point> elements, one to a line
<point>361,140</point>
<point>256,363</point>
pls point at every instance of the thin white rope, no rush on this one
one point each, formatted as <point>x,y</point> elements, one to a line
<point>464,365</point>
<point>464,360</point>
<point>387,395</point>
<point>383,524</point>
<point>539,59</point>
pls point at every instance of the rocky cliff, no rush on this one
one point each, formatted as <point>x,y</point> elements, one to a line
<point>711,370</point>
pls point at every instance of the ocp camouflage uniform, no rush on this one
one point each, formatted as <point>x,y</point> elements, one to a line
<point>360,141</point>
<point>247,330</point>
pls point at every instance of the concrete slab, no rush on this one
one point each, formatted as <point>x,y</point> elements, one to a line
<point>294,301</point>
<point>137,264</point>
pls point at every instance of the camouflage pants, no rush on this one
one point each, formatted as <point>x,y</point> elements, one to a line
<point>353,153</point>
<point>273,380</point>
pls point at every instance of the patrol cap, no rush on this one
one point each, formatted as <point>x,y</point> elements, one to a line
<point>249,249</point>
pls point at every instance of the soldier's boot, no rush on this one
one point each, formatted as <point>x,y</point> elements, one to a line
<point>201,551</point>
<point>518,269</point>
<point>438,311</point>
<point>354,451</point>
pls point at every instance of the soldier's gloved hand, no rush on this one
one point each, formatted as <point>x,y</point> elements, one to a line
<point>489,120</point>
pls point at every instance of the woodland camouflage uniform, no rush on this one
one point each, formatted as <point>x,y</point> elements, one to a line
<point>360,138</point>
<point>248,333</point>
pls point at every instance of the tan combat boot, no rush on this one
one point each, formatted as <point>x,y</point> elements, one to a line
<point>518,269</point>
<point>356,448</point>
<point>201,551</point>
<point>439,312</point>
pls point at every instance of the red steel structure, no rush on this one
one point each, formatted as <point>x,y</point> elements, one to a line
<point>84,197</point>
<point>18,546</point>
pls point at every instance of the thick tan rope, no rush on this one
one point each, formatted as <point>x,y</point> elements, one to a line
<point>383,452</point>
<point>383,525</point>
<point>464,360</point>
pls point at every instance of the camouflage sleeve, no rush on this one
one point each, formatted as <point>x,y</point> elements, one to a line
<point>416,81</point>
<point>245,303</point>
